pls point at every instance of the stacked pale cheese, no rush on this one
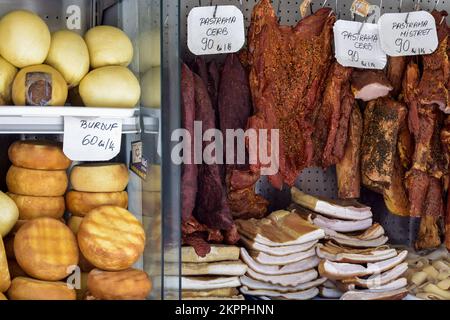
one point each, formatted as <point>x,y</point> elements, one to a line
<point>280,252</point>
<point>355,257</point>
<point>213,277</point>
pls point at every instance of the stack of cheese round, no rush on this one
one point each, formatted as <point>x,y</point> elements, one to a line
<point>37,180</point>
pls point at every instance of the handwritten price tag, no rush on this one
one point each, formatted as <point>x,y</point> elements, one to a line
<point>358,47</point>
<point>92,139</point>
<point>215,30</point>
<point>404,34</point>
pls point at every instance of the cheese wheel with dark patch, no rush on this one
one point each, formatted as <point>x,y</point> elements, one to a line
<point>38,155</point>
<point>39,207</point>
<point>111,238</point>
<point>23,288</point>
<point>37,183</point>
<point>80,203</point>
<point>99,177</point>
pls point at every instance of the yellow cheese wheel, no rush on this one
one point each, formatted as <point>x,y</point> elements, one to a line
<point>45,249</point>
<point>39,154</point>
<point>39,85</point>
<point>108,46</point>
<point>131,284</point>
<point>25,38</point>
<point>23,288</point>
<point>74,223</point>
<point>39,207</point>
<point>99,177</point>
<point>80,203</point>
<point>5,279</point>
<point>110,87</point>
<point>69,55</point>
<point>9,214</point>
<point>7,74</point>
<point>151,88</point>
<point>37,183</point>
<point>111,238</point>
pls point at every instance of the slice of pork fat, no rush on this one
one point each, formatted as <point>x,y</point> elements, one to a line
<point>369,85</point>
<point>293,279</point>
<point>342,225</point>
<point>299,295</point>
<point>261,285</point>
<point>277,251</point>
<point>295,267</point>
<point>373,256</point>
<point>388,295</point>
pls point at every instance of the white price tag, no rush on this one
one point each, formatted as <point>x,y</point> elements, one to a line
<point>358,47</point>
<point>215,30</point>
<point>404,34</point>
<point>92,139</point>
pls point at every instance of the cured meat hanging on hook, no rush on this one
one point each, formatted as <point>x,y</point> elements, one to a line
<point>288,66</point>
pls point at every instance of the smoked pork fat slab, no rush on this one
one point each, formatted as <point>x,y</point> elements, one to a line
<point>288,66</point>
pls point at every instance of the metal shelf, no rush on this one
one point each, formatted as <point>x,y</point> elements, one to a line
<point>50,120</point>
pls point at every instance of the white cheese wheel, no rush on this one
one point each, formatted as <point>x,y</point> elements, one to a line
<point>108,46</point>
<point>99,177</point>
<point>113,87</point>
<point>39,85</point>
<point>69,55</point>
<point>7,74</point>
<point>25,38</point>
<point>151,88</point>
<point>9,214</point>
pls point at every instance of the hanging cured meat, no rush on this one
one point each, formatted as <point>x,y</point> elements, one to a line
<point>288,66</point>
<point>395,71</point>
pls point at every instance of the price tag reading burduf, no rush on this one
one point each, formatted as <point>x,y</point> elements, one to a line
<point>358,47</point>
<point>92,139</point>
<point>404,34</point>
<point>215,30</point>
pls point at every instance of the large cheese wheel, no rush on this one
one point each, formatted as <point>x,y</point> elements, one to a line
<point>99,177</point>
<point>9,214</point>
<point>5,279</point>
<point>111,238</point>
<point>129,284</point>
<point>37,183</point>
<point>69,55</point>
<point>80,203</point>
<point>113,87</point>
<point>39,155</point>
<point>39,85</point>
<point>108,46</point>
<point>39,207</point>
<point>45,249</point>
<point>7,74</point>
<point>23,288</point>
<point>151,88</point>
<point>25,38</point>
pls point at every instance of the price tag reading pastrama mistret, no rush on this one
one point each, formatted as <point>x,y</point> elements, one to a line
<point>408,34</point>
<point>358,45</point>
<point>92,139</point>
<point>215,30</point>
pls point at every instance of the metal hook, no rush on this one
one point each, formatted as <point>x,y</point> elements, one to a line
<point>215,11</point>
<point>362,25</point>
<point>324,3</point>
<point>436,3</point>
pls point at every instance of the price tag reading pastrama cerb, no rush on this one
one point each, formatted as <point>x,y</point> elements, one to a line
<point>215,30</point>
<point>358,45</point>
<point>408,34</point>
<point>92,139</point>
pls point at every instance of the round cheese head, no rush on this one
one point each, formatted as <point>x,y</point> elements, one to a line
<point>111,238</point>
<point>69,55</point>
<point>80,203</point>
<point>46,249</point>
<point>24,288</point>
<point>38,154</point>
<point>99,177</point>
<point>39,207</point>
<point>37,183</point>
<point>39,85</point>
<point>25,38</point>
<point>151,88</point>
<point>113,87</point>
<point>9,214</point>
<point>108,46</point>
<point>7,74</point>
